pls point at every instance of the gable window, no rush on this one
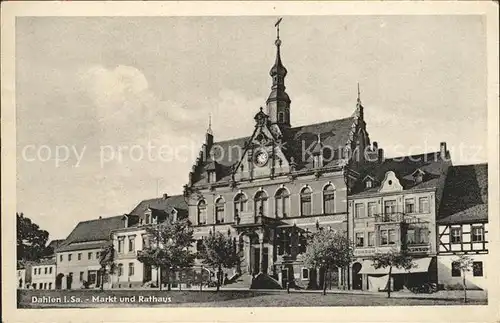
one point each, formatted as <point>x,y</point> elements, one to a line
<point>455,235</point>
<point>212,176</point>
<point>260,203</point>
<point>477,268</point>
<point>202,212</point>
<point>423,204</point>
<point>282,202</point>
<point>360,239</point>
<point>410,205</point>
<point>455,269</point>
<point>219,210</point>
<point>329,199</point>
<point>477,234</point>
<point>372,208</point>
<point>240,203</point>
<point>390,207</point>
<point>305,201</point>
<point>368,183</point>
<point>359,210</point>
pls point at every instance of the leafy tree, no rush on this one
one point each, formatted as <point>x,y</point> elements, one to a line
<point>400,259</point>
<point>31,240</point>
<point>219,252</point>
<point>328,250</point>
<point>464,263</point>
<point>169,249</point>
<point>107,258</point>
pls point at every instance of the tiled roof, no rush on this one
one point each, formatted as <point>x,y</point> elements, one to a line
<point>431,164</point>
<point>160,205</point>
<point>91,234</point>
<point>465,196</point>
<point>45,262</point>
<point>334,134</point>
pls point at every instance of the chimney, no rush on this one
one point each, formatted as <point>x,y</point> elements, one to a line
<point>165,196</point>
<point>100,217</point>
<point>380,155</point>
<point>443,150</point>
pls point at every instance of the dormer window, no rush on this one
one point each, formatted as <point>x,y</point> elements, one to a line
<point>317,161</point>
<point>368,183</point>
<point>147,217</point>
<point>418,176</point>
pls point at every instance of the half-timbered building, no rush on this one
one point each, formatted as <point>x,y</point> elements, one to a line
<point>463,226</point>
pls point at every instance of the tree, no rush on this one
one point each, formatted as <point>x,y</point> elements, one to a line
<point>219,252</point>
<point>107,262</point>
<point>327,250</point>
<point>464,263</point>
<point>393,259</point>
<point>169,249</point>
<point>31,240</point>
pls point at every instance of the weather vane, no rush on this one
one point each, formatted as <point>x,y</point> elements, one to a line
<point>277,25</point>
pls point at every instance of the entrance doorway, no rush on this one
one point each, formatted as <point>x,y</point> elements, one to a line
<point>357,279</point>
<point>59,279</point>
<point>284,277</point>
<point>256,260</point>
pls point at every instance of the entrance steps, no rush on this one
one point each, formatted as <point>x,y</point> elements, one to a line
<point>242,281</point>
<point>264,281</point>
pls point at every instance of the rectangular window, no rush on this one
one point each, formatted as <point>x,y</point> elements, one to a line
<point>477,268</point>
<point>455,235</point>
<point>390,207</point>
<point>120,270</point>
<point>360,239</point>
<point>61,258</point>
<point>69,257</point>
<point>384,237</point>
<point>359,210</point>
<point>79,256</point>
<point>219,214</point>
<point>89,256</point>
<point>305,273</point>
<point>329,202</point>
<point>410,236</point>
<point>121,242</point>
<point>392,236</point>
<point>477,234</point>
<point>423,204</point>
<point>97,254</point>
<point>372,208</point>
<point>81,275</point>
<point>410,205</point>
<point>46,270</point>
<point>50,285</point>
<point>131,269</point>
<point>423,236</point>
<point>455,269</point>
<point>305,206</point>
<point>50,270</point>
<point>371,239</point>
<point>131,244</point>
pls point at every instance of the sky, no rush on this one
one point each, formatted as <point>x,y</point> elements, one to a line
<point>113,110</point>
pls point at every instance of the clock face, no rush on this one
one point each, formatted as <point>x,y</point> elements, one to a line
<point>261,158</point>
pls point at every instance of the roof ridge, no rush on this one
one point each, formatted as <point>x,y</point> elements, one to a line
<point>323,122</point>
<point>407,156</point>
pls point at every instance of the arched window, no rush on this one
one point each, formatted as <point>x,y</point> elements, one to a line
<point>219,210</point>
<point>240,204</point>
<point>305,201</point>
<point>329,199</point>
<point>202,212</point>
<point>281,117</point>
<point>282,203</point>
<point>260,203</point>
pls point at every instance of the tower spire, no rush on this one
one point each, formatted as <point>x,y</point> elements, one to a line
<point>359,95</point>
<point>278,102</point>
<point>209,129</point>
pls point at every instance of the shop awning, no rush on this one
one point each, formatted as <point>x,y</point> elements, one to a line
<point>421,266</point>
